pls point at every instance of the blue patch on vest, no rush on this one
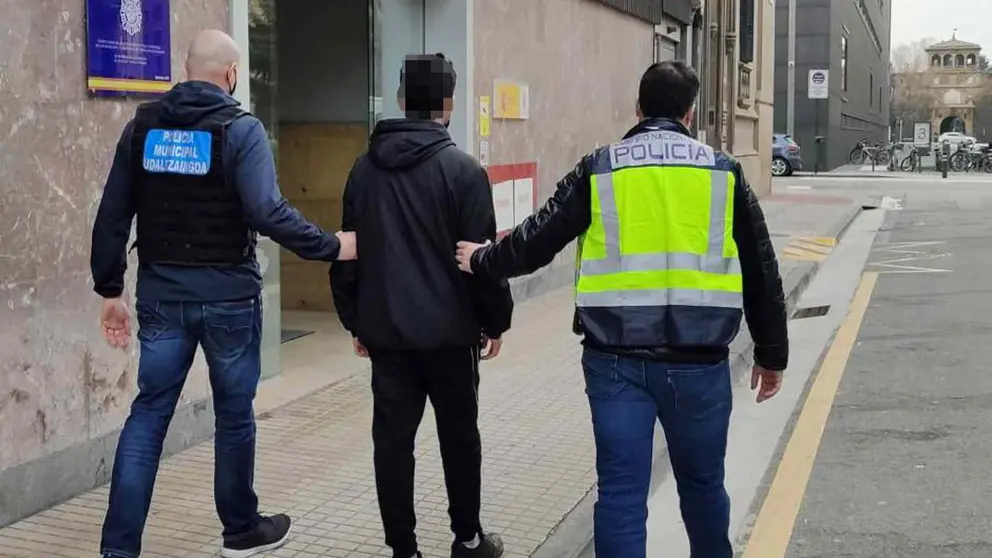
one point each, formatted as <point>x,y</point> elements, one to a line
<point>186,152</point>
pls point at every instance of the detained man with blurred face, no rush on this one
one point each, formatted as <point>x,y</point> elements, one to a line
<point>424,324</point>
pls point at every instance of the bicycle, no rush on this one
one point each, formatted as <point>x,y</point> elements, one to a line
<point>911,162</point>
<point>865,152</point>
<point>966,158</point>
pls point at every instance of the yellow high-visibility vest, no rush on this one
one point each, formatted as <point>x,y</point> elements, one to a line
<point>661,234</point>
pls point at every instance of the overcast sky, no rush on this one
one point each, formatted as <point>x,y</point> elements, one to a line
<point>916,19</point>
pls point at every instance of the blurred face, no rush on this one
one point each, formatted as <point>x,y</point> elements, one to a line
<point>443,116</point>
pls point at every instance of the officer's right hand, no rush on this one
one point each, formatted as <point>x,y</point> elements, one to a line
<point>767,382</point>
<point>349,246</point>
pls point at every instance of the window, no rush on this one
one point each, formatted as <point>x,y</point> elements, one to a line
<point>664,48</point>
<point>746,41</point>
<point>871,89</point>
<point>935,61</point>
<point>843,63</point>
<point>959,61</point>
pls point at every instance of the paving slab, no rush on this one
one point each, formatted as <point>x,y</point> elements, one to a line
<point>315,454</point>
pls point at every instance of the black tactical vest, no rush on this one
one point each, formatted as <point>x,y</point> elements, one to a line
<point>188,212</point>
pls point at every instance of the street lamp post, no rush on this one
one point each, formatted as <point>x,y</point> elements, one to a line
<point>791,94</point>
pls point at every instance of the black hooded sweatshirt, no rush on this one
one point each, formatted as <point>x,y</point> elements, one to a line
<point>410,199</point>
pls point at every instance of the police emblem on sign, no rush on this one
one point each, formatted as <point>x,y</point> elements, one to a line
<point>185,152</point>
<point>131,17</point>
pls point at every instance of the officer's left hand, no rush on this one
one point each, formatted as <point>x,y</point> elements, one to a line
<point>349,246</point>
<point>463,253</point>
<point>116,322</point>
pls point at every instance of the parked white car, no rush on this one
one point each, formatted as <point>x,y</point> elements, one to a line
<point>954,138</point>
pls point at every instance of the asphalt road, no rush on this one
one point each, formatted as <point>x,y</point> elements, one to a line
<point>904,467</point>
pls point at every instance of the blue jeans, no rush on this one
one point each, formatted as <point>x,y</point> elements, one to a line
<point>693,403</point>
<point>169,332</point>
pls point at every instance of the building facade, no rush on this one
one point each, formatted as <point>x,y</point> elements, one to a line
<point>851,40</point>
<point>957,84</point>
<point>735,55</point>
<point>540,84</point>
<point>953,92</point>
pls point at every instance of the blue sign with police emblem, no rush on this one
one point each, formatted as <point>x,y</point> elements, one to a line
<point>184,152</point>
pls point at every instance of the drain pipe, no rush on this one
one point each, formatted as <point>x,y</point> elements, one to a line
<point>716,9</point>
<point>733,75</point>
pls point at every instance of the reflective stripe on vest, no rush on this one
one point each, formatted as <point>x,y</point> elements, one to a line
<point>692,262</point>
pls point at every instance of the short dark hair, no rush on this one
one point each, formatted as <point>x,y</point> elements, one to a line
<point>668,90</point>
<point>426,81</point>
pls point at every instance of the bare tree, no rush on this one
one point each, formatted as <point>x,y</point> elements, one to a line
<point>912,56</point>
<point>912,99</point>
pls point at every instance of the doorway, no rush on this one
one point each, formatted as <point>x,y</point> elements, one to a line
<point>952,124</point>
<point>322,73</point>
<point>317,83</point>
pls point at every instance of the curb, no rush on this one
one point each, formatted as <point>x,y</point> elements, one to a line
<point>573,536</point>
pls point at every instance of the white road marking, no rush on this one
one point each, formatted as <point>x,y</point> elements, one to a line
<point>891,204</point>
<point>904,249</point>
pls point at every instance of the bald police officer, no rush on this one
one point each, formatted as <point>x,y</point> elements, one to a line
<point>198,173</point>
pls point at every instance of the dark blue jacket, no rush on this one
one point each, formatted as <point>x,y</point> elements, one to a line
<point>249,162</point>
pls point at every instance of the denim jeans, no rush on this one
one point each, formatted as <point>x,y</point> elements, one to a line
<point>230,335</point>
<point>693,403</point>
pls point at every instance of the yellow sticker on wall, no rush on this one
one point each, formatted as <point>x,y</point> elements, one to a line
<point>484,117</point>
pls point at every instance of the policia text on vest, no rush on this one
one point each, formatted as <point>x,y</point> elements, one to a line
<point>177,152</point>
<point>673,250</point>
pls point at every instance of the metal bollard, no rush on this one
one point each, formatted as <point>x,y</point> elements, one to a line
<point>945,151</point>
<point>818,140</point>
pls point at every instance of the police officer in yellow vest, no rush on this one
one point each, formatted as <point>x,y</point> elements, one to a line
<point>672,250</point>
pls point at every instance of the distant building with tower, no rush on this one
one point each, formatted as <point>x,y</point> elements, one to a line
<point>850,40</point>
<point>951,93</point>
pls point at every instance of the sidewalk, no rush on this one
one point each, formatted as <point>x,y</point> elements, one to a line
<point>881,171</point>
<point>315,454</point>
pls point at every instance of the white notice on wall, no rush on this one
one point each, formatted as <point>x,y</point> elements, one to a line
<point>484,153</point>
<point>523,199</point>
<point>503,204</point>
<point>819,84</point>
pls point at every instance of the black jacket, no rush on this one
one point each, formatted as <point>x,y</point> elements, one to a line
<point>534,243</point>
<point>411,198</point>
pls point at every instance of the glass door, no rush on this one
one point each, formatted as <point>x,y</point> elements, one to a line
<point>396,28</point>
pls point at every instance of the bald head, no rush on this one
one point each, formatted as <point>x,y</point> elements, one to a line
<point>213,56</point>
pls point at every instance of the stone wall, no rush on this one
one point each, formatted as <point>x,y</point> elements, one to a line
<point>63,393</point>
<point>582,62</point>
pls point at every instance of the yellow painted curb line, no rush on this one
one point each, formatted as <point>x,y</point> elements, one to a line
<point>809,248</point>
<point>773,527</point>
<point>821,240</point>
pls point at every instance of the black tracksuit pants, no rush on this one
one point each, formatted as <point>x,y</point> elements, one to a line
<point>401,384</point>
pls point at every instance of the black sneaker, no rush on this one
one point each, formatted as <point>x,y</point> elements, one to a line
<point>270,533</point>
<point>490,546</point>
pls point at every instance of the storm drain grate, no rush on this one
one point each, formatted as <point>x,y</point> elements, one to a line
<point>811,312</point>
